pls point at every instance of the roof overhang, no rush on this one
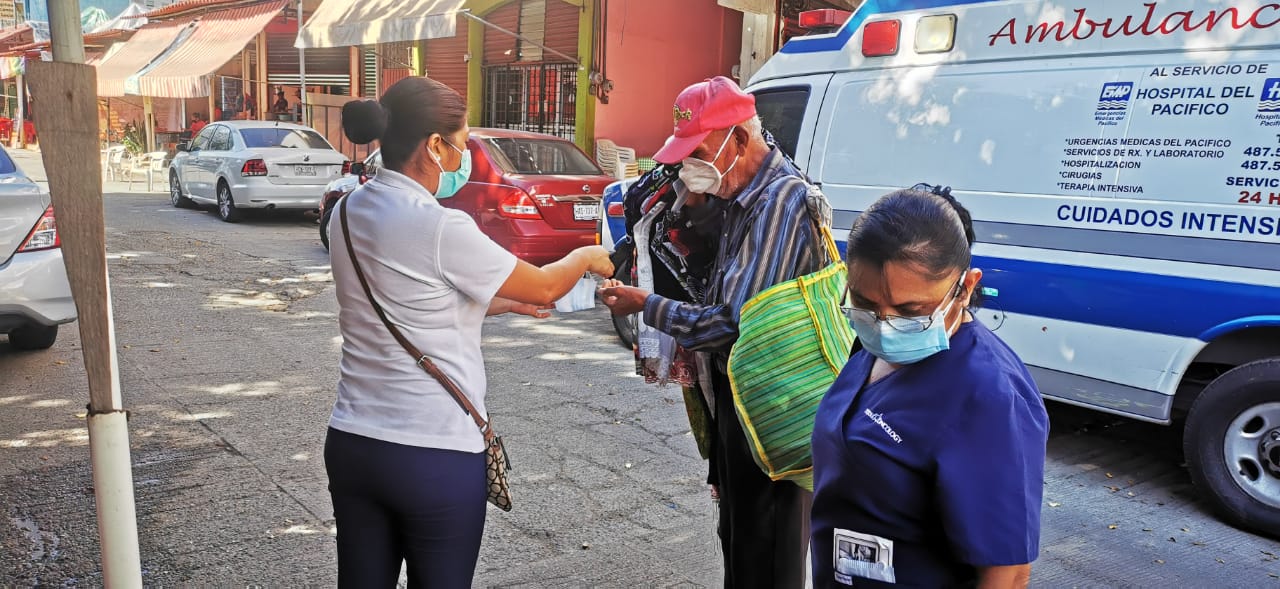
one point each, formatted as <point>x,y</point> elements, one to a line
<point>342,23</point>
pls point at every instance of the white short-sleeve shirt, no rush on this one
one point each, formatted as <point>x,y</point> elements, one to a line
<point>434,274</point>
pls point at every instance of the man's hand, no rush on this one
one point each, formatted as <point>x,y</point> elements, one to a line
<point>623,300</point>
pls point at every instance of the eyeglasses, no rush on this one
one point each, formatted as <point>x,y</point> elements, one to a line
<point>898,322</point>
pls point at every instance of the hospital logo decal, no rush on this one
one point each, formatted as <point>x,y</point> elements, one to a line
<point>1270,100</point>
<point>1113,103</point>
<point>1115,96</point>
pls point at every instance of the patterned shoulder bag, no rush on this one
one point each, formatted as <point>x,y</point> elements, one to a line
<point>495,458</point>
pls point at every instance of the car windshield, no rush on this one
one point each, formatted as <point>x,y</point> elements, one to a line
<point>276,137</point>
<point>541,156</point>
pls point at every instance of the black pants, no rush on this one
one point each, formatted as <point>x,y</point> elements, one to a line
<point>396,503</point>
<point>764,525</point>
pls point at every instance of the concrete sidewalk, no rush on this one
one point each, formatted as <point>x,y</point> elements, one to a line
<point>31,161</point>
<point>228,344</point>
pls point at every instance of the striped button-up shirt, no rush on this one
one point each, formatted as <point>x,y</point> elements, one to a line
<point>769,235</point>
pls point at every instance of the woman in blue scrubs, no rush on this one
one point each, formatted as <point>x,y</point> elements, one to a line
<point>929,449</point>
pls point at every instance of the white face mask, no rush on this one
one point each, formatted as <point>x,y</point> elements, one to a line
<point>702,176</point>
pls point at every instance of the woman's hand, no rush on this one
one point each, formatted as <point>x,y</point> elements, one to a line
<point>500,306</point>
<point>544,286</point>
<point>535,311</point>
<point>598,261</point>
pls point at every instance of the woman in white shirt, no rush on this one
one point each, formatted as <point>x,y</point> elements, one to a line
<point>406,464</point>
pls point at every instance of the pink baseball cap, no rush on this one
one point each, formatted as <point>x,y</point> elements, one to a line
<point>717,103</point>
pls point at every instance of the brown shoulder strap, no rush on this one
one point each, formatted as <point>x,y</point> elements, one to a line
<point>424,362</point>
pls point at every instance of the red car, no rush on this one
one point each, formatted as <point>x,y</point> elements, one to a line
<point>536,195</point>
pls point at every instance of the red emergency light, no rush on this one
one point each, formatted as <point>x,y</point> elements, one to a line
<point>824,19</point>
<point>880,38</point>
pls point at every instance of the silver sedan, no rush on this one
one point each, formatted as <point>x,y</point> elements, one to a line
<point>35,296</point>
<point>239,165</point>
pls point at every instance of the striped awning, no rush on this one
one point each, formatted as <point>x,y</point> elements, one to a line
<point>344,23</point>
<point>143,48</point>
<point>219,36</point>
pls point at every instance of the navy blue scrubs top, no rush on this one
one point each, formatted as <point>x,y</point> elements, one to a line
<point>931,471</point>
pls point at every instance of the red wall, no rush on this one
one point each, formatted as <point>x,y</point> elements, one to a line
<point>655,48</point>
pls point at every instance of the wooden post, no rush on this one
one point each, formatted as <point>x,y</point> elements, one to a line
<point>353,58</point>
<point>69,88</point>
<point>20,124</point>
<point>149,123</point>
<point>758,39</point>
<point>264,93</point>
<point>302,75</point>
<point>245,83</point>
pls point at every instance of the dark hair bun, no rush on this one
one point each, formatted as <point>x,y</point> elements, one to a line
<point>363,121</point>
<point>966,220</point>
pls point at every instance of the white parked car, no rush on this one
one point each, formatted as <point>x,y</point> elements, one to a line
<point>239,165</point>
<point>35,296</point>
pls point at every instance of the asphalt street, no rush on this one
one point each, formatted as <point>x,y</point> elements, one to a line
<point>228,357</point>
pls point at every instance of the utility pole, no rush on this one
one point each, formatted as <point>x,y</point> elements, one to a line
<point>70,149</point>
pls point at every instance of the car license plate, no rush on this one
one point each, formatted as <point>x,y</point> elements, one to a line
<point>304,170</point>
<point>589,211</point>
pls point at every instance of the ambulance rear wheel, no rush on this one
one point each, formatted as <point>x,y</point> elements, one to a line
<point>1232,445</point>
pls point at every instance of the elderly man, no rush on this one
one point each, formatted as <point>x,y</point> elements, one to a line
<point>769,235</point>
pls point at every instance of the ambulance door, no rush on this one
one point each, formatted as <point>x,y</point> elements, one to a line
<point>789,110</point>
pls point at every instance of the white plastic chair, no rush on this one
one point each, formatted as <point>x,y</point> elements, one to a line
<point>150,165</point>
<point>607,156</point>
<point>117,160</point>
<point>159,169</point>
<point>628,166</point>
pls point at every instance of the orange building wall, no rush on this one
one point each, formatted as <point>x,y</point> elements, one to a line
<point>655,48</point>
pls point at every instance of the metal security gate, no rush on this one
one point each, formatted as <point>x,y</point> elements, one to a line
<point>540,97</point>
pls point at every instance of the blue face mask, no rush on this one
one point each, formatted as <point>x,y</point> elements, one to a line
<point>906,343</point>
<point>452,182</point>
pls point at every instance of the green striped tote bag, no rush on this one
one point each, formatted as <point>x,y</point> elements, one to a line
<point>793,340</point>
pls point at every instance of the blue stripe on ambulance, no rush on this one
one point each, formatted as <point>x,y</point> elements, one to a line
<point>869,8</point>
<point>1154,303</point>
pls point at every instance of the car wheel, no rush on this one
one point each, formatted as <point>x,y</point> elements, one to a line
<point>227,205</point>
<point>33,336</point>
<point>625,325</point>
<point>176,198</point>
<point>324,226</point>
<point>1232,445</point>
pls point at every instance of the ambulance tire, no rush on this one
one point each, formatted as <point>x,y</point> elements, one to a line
<point>1241,410</point>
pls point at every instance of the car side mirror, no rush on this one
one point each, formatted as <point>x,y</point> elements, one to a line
<point>357,168</point>
<point>184,146</point>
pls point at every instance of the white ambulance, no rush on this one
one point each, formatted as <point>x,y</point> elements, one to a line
<point>1122,163</point>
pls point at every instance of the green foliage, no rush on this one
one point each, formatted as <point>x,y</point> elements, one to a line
<point>133,139</point>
